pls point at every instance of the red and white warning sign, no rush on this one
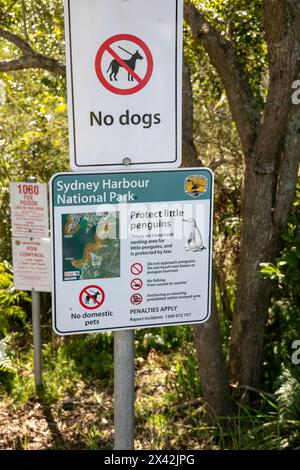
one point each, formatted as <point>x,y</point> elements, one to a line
<point>136,268</point>
<point>124,76</point>
<point>91,297</point>
<point>29,210</point>
<point>32,264</point>
<point>136,299</point>
<point>136,284</point>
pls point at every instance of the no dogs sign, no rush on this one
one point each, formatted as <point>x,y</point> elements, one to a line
<point>124,64</point>
<point>136,81</point>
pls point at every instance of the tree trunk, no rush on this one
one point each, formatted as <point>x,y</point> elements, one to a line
<point>268,193</point>
<point>207,337</point>
<point>189,154</point>
<point>253,293</point>
<point>271,145</point>
<point>214,380</point>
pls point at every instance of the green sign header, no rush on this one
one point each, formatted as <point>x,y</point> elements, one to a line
<point>86,189</point>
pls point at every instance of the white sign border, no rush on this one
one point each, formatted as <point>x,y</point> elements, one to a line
<point>129,327</point>
<point>178,103</point>
<point>19,282</point>
<point>43,198</point>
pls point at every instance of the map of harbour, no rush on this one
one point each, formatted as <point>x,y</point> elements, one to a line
<point>91,246</point>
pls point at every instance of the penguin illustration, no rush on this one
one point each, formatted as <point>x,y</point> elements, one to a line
<point>194,240</point>
<point>102,229</point>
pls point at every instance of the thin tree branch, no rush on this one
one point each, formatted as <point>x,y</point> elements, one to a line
<point>32,61</point>
<point>30,58</point>
<point>224,58</point>
<point>24,20</point>
<point>16,40</point>
<point>190,157</point>
<point>247,388</point>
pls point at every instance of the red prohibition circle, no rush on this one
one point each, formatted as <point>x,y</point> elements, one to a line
<point>104,48</point>
<point>97,303</point>
<point>136,284</point>
<point>136,299</point>
<point>136,269</point>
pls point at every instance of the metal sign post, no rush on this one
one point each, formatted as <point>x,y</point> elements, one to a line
<point>36,326</point>
<point>37,337</point>
<point>31,251</point>
<point>124,389</point>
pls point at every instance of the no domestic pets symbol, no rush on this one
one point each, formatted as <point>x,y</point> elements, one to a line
<point>92,297</point>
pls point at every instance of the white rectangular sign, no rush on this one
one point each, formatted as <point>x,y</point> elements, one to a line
<point>32,264</point>
<point>29,210</point>
<point>124,73</point>
<point>131,249</point>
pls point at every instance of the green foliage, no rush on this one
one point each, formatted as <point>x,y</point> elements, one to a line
<point>60,375</point>
<point>92,438</point>
<point>7,370</point>
<point>12,303</point>
<point>288,394</point>
<point>216,138</point>
<point>41,24</point>
<point>92,355</point>
<point>284,321</point>
<point>185,375</point>
<point>5,361</point>
<point>162,339</point>
<point>33,137</point>
<point>241,22</point>
<point>286,270</point>
<point>33,109</point>
<point>188,381</point>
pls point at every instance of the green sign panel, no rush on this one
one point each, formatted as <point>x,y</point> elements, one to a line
<point>131,249</point>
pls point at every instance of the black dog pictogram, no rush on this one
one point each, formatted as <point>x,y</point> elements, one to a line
<point>115,65</point>
<point>92,297</point>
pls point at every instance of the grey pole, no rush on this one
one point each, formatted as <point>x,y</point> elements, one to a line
<point>36,326</point>
<point>124,389</point>
<point>37,340</point>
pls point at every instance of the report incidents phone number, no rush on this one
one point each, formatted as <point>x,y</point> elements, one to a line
<point>178,315</point>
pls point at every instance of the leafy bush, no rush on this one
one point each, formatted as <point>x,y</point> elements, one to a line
<point>286,270</point>
<point>162,339</point>
<point>92,355</point>
<point>288,394</point>
<point>188,384</point>
<point>13,303</point>
<point>284,320</point>
<point>7,369</point>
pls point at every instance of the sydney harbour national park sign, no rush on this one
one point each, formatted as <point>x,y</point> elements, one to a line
<point>131,249</point>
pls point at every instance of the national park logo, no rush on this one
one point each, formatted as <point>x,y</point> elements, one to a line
<point>195,185</point>
<point>18,242</point>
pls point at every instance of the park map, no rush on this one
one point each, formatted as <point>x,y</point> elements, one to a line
<point>91,246</point>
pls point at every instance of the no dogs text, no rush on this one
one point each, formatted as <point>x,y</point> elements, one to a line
<point>147,120</point>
